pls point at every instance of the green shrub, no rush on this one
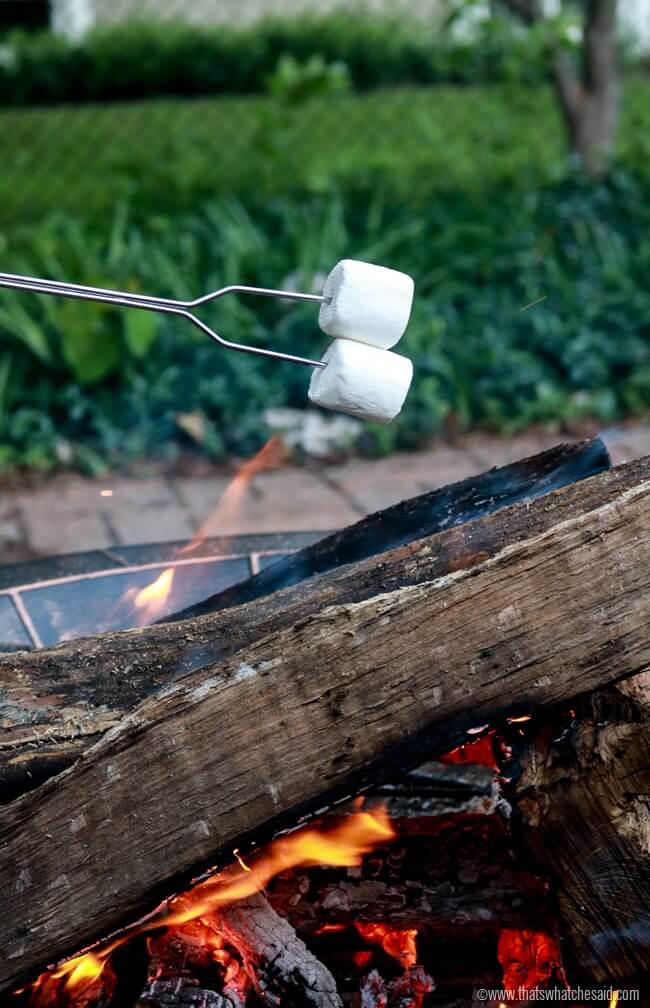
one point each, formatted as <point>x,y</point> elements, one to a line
<point>165,155</point>
<point>141,59</point>
<point>97,386</point>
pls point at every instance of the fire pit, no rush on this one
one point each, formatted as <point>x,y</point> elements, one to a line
<point>48,601</point>
<point>347,867</point>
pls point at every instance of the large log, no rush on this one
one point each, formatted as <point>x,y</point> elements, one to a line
<point>583,798</point>
<point>319,709</point>
<point>57,702</point>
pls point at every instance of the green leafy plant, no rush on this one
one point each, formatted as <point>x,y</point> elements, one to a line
<point>294,82</point>
<point>92,386</point>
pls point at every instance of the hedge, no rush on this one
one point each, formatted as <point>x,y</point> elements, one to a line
<point>139,59</point>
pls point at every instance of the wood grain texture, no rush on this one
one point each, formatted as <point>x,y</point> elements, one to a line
<point>585,805</point>
<point>56,702</point>
<point>316,710</point>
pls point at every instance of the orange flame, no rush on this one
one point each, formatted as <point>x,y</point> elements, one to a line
<point>151,599</point>
<point>149,602</point>
<point>343,846</point>
<point>81,980</point>
<point>270,456</point>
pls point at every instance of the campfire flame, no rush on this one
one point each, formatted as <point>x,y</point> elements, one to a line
<point>148,604</point>
<point>151,600</point>
<point>342,846</point>
<point>270,456</point>
<point>79,981</point>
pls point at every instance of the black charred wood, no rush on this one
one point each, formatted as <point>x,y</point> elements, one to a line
<point>421,516</point>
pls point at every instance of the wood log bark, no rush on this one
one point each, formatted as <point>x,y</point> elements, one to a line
<point>589,96</point>
<point>57,702</point>
<point>444,872</point>
<point>584,803</point>
<point>316,711</point>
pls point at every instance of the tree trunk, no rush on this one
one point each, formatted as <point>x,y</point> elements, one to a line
<point>317,711</point>
<point>589,101</point>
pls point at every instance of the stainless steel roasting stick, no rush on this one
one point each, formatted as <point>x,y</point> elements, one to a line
<point>166,306</point>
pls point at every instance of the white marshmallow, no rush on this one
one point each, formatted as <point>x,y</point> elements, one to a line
<point>361,380</point>
<point>370,304</point>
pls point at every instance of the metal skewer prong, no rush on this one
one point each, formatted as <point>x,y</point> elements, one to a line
<point>167,306</point>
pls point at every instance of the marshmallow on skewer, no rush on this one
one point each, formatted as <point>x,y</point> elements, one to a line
<point>370,304</point>
<point>361,380</point>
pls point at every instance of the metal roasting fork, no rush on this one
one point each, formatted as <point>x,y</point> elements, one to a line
<point>166,306</point>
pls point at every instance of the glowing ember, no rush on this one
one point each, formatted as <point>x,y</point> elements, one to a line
<point>529,959</point>
<point>479,750</point>
<point>401,945</point>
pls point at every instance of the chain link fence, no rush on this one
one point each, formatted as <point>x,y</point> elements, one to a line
<point>165,102</point>
<point>169,100</point>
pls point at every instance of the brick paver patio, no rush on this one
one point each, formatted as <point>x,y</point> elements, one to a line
<point>70,513</point>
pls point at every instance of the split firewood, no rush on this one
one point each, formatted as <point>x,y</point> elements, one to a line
<point>57,702</point>
<point>322,708</point>
<point>281,967</point>
<point>583,798</point>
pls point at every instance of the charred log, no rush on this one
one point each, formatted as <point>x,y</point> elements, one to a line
<point>583,797</point>
<point>282,968</point>
<point>406,991</point>
<point>181,994</point>
<point>418,518</point>
<point>57,702</point>
<point>445,873</point>
<point>260,738</point>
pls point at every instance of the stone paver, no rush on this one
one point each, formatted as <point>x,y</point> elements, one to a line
<point>70,514</point>
<point>141,511</point>
<point>289,500</point>
<point>65,533</point>
<point>625,444</point>
<point>371,486</point>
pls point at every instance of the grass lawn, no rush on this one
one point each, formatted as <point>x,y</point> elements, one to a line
<point>166,154</point>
